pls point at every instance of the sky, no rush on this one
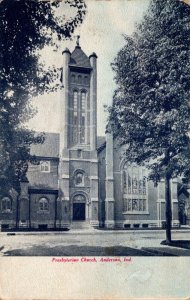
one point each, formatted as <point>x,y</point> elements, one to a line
<point>101,32</point>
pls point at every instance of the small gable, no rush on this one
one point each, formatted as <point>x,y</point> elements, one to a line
<point>79,58</point>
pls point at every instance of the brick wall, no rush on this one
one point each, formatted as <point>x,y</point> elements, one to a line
<point>39,217</point>
<point>43,179</point>
<point>8,217</point>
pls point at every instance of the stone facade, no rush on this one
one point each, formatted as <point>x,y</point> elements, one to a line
<point>82,180</point>
<point>184,204</point>
<point>132,201</point>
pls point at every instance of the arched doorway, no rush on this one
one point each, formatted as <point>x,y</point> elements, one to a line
<point>79,208</point>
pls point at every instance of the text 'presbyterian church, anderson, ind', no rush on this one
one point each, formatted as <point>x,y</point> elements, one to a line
<point>83,180</point>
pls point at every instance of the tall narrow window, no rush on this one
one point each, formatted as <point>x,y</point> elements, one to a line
<point>75,117</point>
<point>134,189</point>
<point>79,79</point>
<point>78,110</point>
<point>83,118</point>
<point>83,101</point>
<point>6,204</point>
<point>75,100</point>
<point>86,80</point>
<point>135,180</point>
<point>73,78</point>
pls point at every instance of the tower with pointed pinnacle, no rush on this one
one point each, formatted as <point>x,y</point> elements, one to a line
<point>78,168</point>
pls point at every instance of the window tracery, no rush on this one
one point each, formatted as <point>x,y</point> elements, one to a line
<point>79,117</point>
<point>45,166</point>
<point>75,117</point>
<point>134,188</point>
<point>83,117</point>
<point>43,204</point>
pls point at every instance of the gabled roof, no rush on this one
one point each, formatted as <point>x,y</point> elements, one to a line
<point>50,147</point>
<point>101,143</point>
<point>183,190</point>
<point>79,58</point>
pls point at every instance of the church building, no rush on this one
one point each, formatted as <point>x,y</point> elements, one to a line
<point>83,180</point>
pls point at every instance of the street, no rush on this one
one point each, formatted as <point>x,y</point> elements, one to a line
<point>89,243</point>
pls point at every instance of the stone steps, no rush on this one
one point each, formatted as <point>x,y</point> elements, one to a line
<point>80,225</point>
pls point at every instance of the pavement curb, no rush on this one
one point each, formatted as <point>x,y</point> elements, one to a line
<point>158,252</point>
<point>85,232</point>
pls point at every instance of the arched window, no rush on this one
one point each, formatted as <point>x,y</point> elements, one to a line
<point>45,166</point>
<point>83,100</point>
<point>75,118</point>
<point>78,118</point>
<point>43,204</point>
<point>83,118</point>
<point>79,198</point>
<point>79,178</point>
<point>73,78</point>
<point>6,204</point>
<point>79,79</point>
<point>85,80</point>
<point>75,101</point>
<point>134,188</point>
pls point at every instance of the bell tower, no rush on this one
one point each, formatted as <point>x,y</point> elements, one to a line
<point>78,170</point>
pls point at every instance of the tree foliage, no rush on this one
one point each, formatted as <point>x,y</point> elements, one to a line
<point>26,26</point>
<point>151,108</point>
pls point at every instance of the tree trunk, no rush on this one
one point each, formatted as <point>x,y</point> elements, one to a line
<point>17,211</point>
<point>17,206</point>
<point>168,209</point>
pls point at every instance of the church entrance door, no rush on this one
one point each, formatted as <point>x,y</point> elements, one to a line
<point>79,212</point>
<point>79,208</point>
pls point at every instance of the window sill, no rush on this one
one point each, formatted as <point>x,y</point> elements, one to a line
<point>135,213</point>
<point>6,211</point>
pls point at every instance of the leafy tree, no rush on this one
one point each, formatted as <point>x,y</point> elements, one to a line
<point>26,27</point>
<point>151,108</point>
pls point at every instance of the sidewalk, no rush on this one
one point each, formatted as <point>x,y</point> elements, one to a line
<point>92,242</point>
<point>155,247</point>
<point>167,251</point>
<point>91,230</point>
